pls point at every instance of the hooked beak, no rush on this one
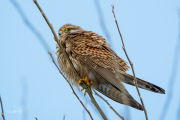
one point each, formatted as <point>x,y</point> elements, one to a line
<point>60,33</point>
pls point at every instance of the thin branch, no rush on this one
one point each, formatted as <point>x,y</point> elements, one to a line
<point>64,116</point>
<point>101,20</point>
<point>2,113</point>
<point>30,25</point>
<point>135,81</point>
<point>70,86</point>
<point>109,105</point>
<point>173,78</point>
<point>64,52</point>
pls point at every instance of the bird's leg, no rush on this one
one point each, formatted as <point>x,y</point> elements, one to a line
<point>88,83</point>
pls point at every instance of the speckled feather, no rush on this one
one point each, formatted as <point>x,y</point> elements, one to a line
<point>92,57</point>
<point>89,45</point>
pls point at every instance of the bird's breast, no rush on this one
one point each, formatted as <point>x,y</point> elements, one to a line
<point>66,67</point>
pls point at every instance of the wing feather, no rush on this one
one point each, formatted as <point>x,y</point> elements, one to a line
<point>94,47</point>
<point>94,51</point>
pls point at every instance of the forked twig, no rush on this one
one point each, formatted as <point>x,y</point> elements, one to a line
<point>2,113</point>
<point>109,105</point>
<point>64,52</point>
<point>135,81</point>
<point>70,85</point>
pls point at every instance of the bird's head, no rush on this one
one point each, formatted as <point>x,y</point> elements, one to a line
<point>68,28</point>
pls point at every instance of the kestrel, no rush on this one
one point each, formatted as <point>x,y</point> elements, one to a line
<point>95,61</point>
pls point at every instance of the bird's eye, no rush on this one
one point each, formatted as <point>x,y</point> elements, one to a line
<point>68,29</point>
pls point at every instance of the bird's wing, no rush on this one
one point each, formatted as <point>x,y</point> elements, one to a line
<point>94,47</point>
<point>94,51</point>
<point>118,92</point>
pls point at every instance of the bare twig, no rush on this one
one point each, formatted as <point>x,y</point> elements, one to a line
<point>2,111</point>
<point>36,118</point>
<point>101,18</point>
<point>30,25</point>
<point>24,98</point>
<point>64,116</point>
<point>70,85</point>
<point>64,52</point>
<point>172,79</point>
<point>109,105</point>
<point>135,81</point>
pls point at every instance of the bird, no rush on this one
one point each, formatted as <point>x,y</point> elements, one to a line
<point>97,65</point>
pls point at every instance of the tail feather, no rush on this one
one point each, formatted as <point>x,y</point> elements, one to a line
<point>116,95</point>
<point>127,78</point>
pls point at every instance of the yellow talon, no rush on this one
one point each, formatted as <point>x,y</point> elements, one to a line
<point>88,83</point>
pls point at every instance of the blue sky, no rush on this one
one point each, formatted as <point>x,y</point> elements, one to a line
<point>29,79</point>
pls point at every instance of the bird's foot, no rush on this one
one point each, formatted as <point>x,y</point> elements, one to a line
<point>88,83</point>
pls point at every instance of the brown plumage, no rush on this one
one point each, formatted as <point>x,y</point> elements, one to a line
<point>92,57</point>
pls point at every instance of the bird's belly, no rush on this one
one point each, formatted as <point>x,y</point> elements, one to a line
<point>67,69</point>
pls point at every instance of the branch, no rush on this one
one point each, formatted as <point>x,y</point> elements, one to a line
<point>172,79</point>
<point>102,23</point>
<point>69,85</point>
<point>2,113</point>
<point>108,105</point>
<point>30,25</point>
<point>135,81</point>
<point>65,117</point>
<point>64,52</point>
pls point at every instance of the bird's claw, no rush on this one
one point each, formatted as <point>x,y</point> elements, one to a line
<point>88,83</point>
